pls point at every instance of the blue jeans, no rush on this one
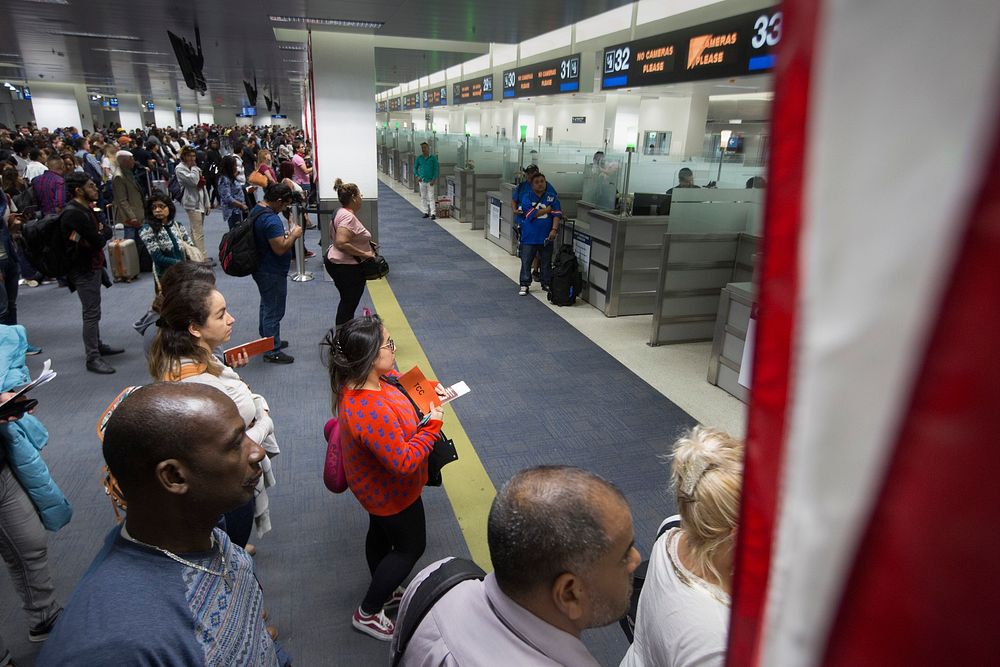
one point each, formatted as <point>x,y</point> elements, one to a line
<point>9,275</point>
<point>273,288</point>
<point>528,252</point>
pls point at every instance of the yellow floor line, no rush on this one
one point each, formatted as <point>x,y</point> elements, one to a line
<point>470,490</point>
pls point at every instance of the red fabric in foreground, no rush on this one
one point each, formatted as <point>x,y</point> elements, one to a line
<point>778,290</point>
<point>925,589</point>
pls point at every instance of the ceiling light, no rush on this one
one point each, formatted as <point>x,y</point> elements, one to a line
<point>10,55</point>
<point>97,35</point>
<point>342,23</point>
<point>132,51</point>
<point>50,2</point>
<point>291,47</point>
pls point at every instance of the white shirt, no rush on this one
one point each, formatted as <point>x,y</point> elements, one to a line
<point>33,169</point>
<point>682,620</point>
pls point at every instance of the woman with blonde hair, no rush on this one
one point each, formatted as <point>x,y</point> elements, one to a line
<point>683,615</point>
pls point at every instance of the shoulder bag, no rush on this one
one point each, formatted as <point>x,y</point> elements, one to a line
<point>334,474</point>
<point>374,267</point>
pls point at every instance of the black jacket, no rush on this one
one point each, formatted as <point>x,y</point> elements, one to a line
<point>84,243</point>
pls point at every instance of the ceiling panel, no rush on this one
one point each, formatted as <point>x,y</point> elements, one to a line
<point>132,54</point>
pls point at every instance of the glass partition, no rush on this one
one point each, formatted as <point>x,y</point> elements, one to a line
<point>657,174</point>
<point>602,180</point>
<point>485,155</point>
<point>450,148</point>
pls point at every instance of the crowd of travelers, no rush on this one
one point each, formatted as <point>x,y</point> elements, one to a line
<point>189,455</point>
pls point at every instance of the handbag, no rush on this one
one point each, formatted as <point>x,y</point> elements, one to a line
<point>443,452</point>
<point>191,251</point>
<point>334,475</point>
<point>375,267</point>
<point>257,178</point>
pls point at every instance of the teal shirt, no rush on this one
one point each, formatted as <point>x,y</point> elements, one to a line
<point>426,168</point>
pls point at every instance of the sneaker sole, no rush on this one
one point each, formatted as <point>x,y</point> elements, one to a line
<point>371,632</point>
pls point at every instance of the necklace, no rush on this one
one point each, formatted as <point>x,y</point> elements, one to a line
<point>169,554</point>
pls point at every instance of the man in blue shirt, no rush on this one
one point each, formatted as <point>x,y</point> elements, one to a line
<point>168,587</point>
<point>541,213</point>
<point>274,248</point>
<point>426,170</point>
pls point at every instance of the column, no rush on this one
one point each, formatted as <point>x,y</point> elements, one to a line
<point>343,85</point>
<point>55,105</point>
<point>625,124</point>
<point>189,116</point>
<point>164,113</point>
<point>129,112</point>
<point>206,115</point>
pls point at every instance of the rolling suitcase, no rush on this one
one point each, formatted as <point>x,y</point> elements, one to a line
<point>124,257</point>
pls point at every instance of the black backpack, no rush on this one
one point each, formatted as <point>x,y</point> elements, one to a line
<point>175,188</point>
<point>627,622</point>
<point>45,246</point>
<point>238,248</point>
<point>566,282</point>
<point>430,590</point>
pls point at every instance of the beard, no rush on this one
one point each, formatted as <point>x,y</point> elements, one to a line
<point>607,611</point>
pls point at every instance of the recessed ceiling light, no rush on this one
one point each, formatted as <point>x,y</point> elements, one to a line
<point>342,23</point>
<point>10,55</point>
<point>50,2</point>
<point>132,52</point>
<point>290,47</point>
<point>97,35</point>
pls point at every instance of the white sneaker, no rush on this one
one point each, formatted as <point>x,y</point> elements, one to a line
<point>523,291</point>
<point>375,625</point>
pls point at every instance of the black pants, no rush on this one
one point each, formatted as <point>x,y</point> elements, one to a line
<point>350,282</point>
<point>393,546</point>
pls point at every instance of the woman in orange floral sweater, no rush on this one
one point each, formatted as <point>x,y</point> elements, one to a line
<point>385,449</point>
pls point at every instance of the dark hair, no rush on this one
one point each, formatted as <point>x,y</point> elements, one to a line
<point>537,174</point>
<point>345,191</point>
<point>286,169</point>
<point>74,180</point>
<point>183,305</point>
<point>530,169</point>
<point>353,348</point>
<point>229,167</point>
<point>34,154</point>
<point>277,192</point>
<point>78,143</point>
<point>545,522</point>
<point>187,150</point>
<point>153,424</point>
<point>163,198</point>
<point>685,172</point>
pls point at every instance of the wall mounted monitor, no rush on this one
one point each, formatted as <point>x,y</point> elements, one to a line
<point>411,101</point>
<point>479,89</point>
<point>381,107</point>
<point>734,46</point>
<point>436,97</point>
<point>552,77</point>
<point>395,104</point>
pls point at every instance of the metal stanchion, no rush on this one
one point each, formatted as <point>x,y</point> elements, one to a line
<point>622,208</point>
<point>301,275</point>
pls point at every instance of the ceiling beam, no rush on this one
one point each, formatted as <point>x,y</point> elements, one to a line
<point>389,42</point>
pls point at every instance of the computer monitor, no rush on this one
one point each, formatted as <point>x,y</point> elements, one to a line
<point>650,203</point>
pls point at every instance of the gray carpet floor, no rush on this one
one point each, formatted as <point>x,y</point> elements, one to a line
<point>542,393</point>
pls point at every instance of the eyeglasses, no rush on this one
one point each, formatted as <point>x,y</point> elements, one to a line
<point>389,344</point>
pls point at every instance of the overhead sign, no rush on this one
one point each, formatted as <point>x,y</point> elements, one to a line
<point>150,106</point>
<point>279,116</point>
<point>411,101</point>
<point>395,104</point>
<point>730,47</point>
<point>579,120</point>
<point>26,94</point>
<point>473,90</point>
<point>113,102</point>
<point>436,97</point>
<point>561,75</point>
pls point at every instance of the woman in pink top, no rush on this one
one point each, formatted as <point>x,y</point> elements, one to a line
<point>351,243</point>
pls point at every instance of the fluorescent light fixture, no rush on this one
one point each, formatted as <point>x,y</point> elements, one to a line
<point>736,121</point>
<point>49,2</point>
<point>132,52</point>
<point>10,55</point>
<point>340,23</point>
<point>97,35</point>
<point>291,47</point>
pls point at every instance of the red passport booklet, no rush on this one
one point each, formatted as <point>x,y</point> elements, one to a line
<point>252,349</point>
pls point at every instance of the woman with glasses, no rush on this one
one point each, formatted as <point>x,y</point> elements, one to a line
<point>351,242</point>
<point>162,235</point>
<point>385,448</point>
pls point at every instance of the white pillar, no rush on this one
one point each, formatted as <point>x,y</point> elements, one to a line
<point>189,116</point>
<point>344,137</point>
<point>55,105</point>
<point>206,115</point>
<point>625,127</point>
<point>164,113</point>
<point>129,112</point>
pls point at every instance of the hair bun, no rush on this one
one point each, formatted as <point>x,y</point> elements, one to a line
<point>337,184</point>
